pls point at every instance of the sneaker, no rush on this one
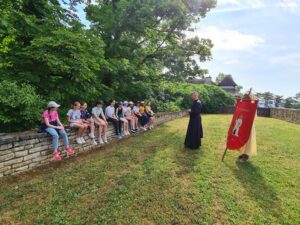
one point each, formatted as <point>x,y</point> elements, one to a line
<point>56,156</point>
<point>93,142</point>
<point>133,131</point>
<point>78,140</point>
<point>119,136</point>
<point>151,127</point>
<point>82,140</point>
<point>128,133</point>
<point>101,141</point>
<point>105,139</point>
<point>68,149</point>
<point>92,135</point>
<point>144,128</point>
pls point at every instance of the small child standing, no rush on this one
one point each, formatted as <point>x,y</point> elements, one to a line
<point>87,119</point>
<point>74,119</point>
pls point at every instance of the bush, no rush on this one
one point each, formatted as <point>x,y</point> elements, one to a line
<point>212,97</point>
<point>167,107</point>
<point>20,106</point>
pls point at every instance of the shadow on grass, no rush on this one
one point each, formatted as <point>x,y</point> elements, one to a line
<point>258,189</point>
<point>186,158</point>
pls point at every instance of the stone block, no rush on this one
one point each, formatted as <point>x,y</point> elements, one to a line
<point>21,153</point>
<point>13,161</point>
<point>38,149</point>
<point>21,164</point>
<point>6,146</point>
<point>31,156</point>
<point>23,168</point>
<point>20,148</point>
<point>7,157</point>
<point>39,158</point>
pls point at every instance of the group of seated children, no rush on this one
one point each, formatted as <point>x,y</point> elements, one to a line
<point>124,113</point>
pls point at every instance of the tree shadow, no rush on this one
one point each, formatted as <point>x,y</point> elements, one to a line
<point>258,188</point>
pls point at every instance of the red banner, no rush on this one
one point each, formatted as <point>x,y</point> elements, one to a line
<point>241,124</point>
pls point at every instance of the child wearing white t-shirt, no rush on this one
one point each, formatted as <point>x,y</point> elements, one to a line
<point>74,119</point>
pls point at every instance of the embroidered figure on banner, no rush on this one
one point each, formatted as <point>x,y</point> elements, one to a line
<point>238,124</point>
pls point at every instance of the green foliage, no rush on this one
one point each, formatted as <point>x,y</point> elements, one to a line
<point>128,50</point>
<point>20,106</point>
<point>162,106</point>
<point>212,97</point>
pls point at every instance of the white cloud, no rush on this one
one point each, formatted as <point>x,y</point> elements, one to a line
<point>290,61</point>
<point>224,39</point>
<point>237,5</point>
<point>289,5</point>
<point>232,61</point>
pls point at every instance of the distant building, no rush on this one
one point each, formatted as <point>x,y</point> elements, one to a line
<point>228,85</point>
<point>262,103</point>
<point>205,80</point>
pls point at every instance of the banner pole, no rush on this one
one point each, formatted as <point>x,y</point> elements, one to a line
<point>224,154</point>
<point>250,91</point>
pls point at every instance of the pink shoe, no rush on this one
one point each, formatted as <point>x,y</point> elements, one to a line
<point>56,156</point>
<point>68,149</point>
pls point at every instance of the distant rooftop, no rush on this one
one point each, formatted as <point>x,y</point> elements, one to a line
<point>227,82</point>
<point>205,80</point>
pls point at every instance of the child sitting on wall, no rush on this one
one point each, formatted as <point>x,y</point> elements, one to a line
<point>52,125</point>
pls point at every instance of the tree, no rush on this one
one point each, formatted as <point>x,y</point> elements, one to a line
<point>144,37</point>
<point>289,102</point>
<point>129,50</point>
<point>297,97</point>
<point>221,77</point>
<point>49,49</point>
<point>265,95</point>
<point>278,100</point>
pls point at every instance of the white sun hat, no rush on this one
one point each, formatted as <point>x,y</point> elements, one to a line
<point>52,104</point>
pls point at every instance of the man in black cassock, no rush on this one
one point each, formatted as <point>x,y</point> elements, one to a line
<point>194,132</point>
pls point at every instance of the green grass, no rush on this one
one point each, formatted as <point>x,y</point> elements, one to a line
<point>152,179</point>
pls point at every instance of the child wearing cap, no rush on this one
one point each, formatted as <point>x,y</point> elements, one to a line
<point>121,116</point>
<point>100,120</point>
<point>52,125</point>
<point>74,119</point>
<point>87,119</point>
<point>110,113</point>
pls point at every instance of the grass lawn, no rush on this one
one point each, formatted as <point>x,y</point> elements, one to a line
<point>152,179</point>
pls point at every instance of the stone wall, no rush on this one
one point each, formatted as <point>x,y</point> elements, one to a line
<point>23,151</point>
<point>290,115</point>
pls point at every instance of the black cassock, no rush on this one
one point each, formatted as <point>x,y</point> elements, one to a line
<point>194,132</point>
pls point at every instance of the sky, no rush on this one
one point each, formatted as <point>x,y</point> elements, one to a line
<point>257,41</point>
